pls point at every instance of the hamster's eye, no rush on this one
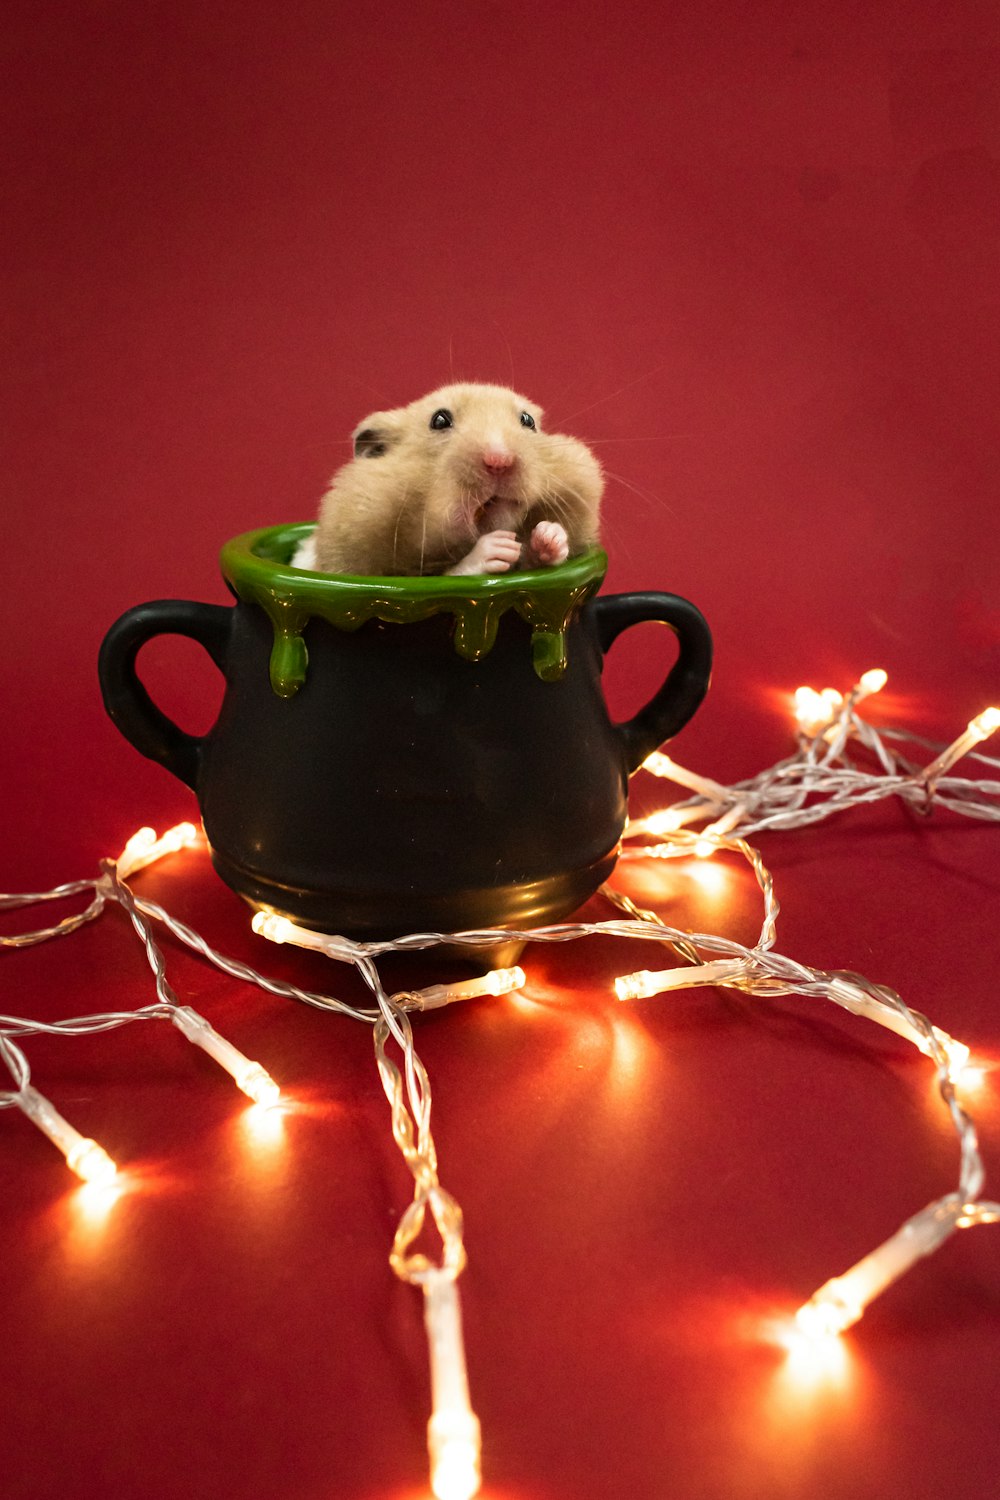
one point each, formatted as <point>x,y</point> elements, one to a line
<point>527,420</point>
<point>441,419</point>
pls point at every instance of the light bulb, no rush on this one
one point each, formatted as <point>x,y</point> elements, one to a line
<point>279,929</point>
<point>633,986</point>
<point>646,982</point>
<point>667,820</point>
<point>828,1312</point>
<point>662,765</point>
<point>269,925</point>
<point>144,848</point>
<point>248,1075</point>
<point>83,1156</point>
<point>258,1085</point>
<point>453,1437</point>
<point>985,724</point>
<point>453,1445</point>
<point>810,710</point>
<point>843,1299</point>
<point>957,1053</point>
<point>496,982</point>
<point>872,681</point>
<point>977,730</point>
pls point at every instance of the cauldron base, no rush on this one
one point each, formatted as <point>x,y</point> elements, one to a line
<point>366,916</point>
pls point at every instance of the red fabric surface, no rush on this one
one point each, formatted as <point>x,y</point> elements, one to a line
<point>749,252</point>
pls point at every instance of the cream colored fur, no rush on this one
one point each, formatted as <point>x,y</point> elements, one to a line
<point>426,502</point>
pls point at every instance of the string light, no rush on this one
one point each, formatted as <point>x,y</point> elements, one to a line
<point>831,771</point>
<point>842,1300</point>
<point>495,982</point>
<point>253,1079</point>
<point>83,1156</point>
<point>841,761</point>
<point>643,983</point>
<point>980,728</point>
<point>872,681</point>
<point>144,848</point>
<point>659,764</point>
<point>453,1435</point>
<point>280,930</point>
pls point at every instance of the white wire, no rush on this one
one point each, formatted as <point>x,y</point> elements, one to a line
<point>822,779</point>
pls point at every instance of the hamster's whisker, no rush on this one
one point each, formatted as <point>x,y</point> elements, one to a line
<point>510,355</point>
<point>656,437</point>
<point>619,392</point>
<point>423,539</point>
<point>650,499</point>
<point>399,521</point>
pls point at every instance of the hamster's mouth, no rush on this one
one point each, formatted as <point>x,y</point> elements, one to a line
<point>495,513</point>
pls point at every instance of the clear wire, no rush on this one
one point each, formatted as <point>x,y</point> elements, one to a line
<point>841,761</point>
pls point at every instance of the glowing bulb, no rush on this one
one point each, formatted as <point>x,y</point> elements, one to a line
<point>978,729</point>
<point>183,836</point>
<point>969,1079</point>
<point>810,710</point>
<point>985,724</point>
<point>667,820</point>
<point>496,982</point>
<point>872,681</point>
<point>248,1075</point>
<point>453,1443</point>
<point>957,1054</point>
<point>704,848</point>
<point>139,844</point>
<point>827,1313</point>
<point>645,982</point>
<point>143,848</point>
<point>280,930</point>
<point>83,1156</point>
<point>91,1162</point>
<point>633,986</point>
<point>453,1437</point>
<point>259,1086</point>
<point>269,925</point>
<point>662,765</point>
<point>843,1299</point>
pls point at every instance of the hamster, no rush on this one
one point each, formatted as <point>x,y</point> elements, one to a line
<point>463,481</point>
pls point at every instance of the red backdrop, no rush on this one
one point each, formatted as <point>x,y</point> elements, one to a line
<point>749,253</point>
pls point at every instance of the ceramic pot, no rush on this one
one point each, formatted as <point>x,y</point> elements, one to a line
<point>397,755</point>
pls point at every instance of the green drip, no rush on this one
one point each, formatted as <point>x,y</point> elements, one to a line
<point>256,566</point>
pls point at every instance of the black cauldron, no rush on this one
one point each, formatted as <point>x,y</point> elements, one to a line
<point>397,755</point>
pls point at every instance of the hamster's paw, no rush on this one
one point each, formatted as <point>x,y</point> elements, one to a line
<point>549,543</point>
<point>496,552</point>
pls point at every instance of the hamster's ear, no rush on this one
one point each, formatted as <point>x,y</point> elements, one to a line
<point>377,434</point>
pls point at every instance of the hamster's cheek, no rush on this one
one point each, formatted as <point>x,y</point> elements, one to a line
<point>450,515</point>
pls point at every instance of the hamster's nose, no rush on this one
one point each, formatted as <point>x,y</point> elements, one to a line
<point>498,460</point>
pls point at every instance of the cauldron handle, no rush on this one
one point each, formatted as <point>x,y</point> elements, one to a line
<point>127,701</point>
<point>687,683</point>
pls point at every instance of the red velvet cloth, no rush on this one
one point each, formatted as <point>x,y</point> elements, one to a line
<point>749,254</point>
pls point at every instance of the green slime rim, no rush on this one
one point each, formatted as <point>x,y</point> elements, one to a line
<point>256,566</point>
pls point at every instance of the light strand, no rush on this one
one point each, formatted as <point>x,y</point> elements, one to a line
<point>823,778</point>
<point>453,1435</point>
<point>84,1156</point>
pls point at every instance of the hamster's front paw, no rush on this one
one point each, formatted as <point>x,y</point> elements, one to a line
<point>549,543</point>
<point>495,552</point>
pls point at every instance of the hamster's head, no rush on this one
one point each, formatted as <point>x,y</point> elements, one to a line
<point>469,459</point>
